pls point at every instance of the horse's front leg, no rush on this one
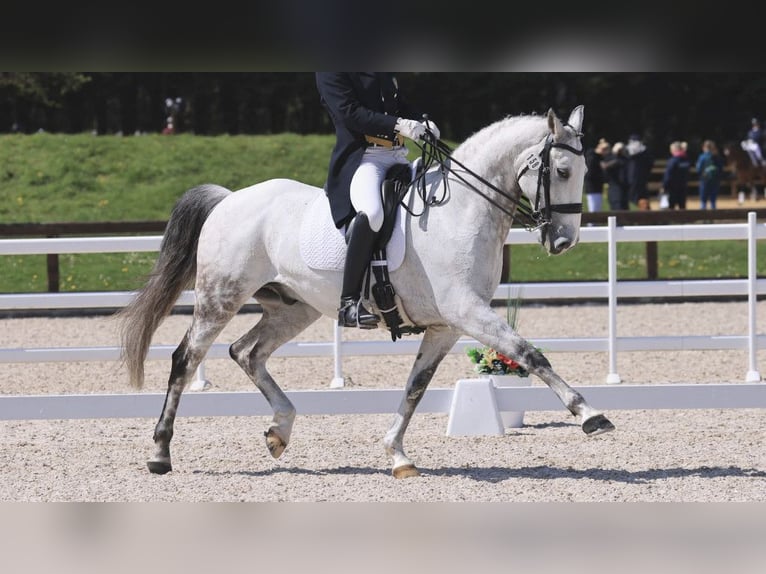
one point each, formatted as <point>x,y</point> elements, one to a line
<point>490,329</point>
<point>436,343</point>
<point>593,422</point>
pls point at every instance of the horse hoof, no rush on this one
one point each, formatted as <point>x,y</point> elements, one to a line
<point>597,425</point>
<point>159,467</point>
<point>406,471</point>
<point>274,443</point>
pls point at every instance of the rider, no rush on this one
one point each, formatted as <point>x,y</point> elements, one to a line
<point>371,118</point>
<point>754,143</point>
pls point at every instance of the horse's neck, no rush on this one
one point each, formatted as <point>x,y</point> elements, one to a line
<point>492,153</point>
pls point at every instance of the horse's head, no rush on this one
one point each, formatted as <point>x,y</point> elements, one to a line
<point>551,177</point>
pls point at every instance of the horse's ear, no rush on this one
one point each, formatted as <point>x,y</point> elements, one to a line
<point>576,118</point>
<point>555,125</point>
<point>551,119</point>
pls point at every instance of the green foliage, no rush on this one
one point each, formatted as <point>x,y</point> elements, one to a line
<point>46,88</point>
<point>488,361</point>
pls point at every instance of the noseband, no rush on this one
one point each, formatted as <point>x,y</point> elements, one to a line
<point>542,163</point>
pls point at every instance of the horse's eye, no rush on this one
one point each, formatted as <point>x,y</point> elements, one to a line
<point>562,172</point>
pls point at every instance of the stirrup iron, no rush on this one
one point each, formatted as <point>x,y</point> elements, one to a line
<point>353,314</point>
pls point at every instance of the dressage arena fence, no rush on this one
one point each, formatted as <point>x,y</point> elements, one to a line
<point>472,400</point>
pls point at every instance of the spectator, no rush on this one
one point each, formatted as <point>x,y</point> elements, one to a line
<point>676,177</point>
<point>638,169</point>
<point>614,166</point>
<point>710,167</point>
<point>594,177</point>
<point>168,130</point>
<point>174,110</point>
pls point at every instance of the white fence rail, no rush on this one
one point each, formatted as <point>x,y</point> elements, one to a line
<point>380,401</point>
<point>611,290</point>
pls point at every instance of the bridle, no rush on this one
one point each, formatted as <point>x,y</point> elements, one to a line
<point>542,162</point>
<point>532,217</point>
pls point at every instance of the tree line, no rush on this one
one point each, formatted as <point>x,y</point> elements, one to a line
<point>660,107</point>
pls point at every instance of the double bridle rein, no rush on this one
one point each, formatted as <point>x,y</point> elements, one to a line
<point>532,217</point>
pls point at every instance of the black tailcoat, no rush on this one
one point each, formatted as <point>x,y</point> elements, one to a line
<point>359,104</point>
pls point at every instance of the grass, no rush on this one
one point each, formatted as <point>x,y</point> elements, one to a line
<point>62,178</point>
<point>46,177</point>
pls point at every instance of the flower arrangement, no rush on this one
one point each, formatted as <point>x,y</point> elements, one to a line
<point>490,362</point>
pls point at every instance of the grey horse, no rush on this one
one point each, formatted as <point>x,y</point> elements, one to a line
<point>233,245</point>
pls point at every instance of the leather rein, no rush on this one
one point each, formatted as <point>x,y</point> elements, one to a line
<point>435,151</point>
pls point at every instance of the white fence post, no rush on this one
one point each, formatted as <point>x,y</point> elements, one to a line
<point>613,378</point>
<point>200,383</point>
<point>753,375</point>
<point>338,381</point>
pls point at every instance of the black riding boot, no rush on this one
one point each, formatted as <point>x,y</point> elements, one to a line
<point>361,242</point>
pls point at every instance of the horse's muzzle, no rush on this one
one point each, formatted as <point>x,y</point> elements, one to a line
<point>561,244</point>
<point>557,243</point>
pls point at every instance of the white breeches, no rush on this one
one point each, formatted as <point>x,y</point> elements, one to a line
<point>368,178</point>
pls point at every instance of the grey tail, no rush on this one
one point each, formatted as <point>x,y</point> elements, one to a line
<point>173,272</point>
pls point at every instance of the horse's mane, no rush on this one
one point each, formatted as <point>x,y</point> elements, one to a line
<point>520,130</point>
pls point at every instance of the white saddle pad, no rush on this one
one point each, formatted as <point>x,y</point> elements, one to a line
<point>323,246</point>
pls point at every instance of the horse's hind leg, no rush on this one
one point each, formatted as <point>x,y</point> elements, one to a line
<point>436,343</point>
<point>205,327</point>
<point>282,319</point>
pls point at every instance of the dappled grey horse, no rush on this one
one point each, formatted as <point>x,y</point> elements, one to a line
<point>233,245</point>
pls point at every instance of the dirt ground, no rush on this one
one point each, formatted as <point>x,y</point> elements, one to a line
<point>658,455</point>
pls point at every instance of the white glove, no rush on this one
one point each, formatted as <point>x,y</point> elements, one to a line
<point>410,129</point>
<point>432,126</point>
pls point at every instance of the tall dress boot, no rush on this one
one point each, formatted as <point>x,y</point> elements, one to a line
<point>361,242</point>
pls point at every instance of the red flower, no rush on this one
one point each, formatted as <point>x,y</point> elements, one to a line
<point>512,365</point>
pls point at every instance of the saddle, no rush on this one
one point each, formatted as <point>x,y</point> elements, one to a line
<point>394,188</point>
